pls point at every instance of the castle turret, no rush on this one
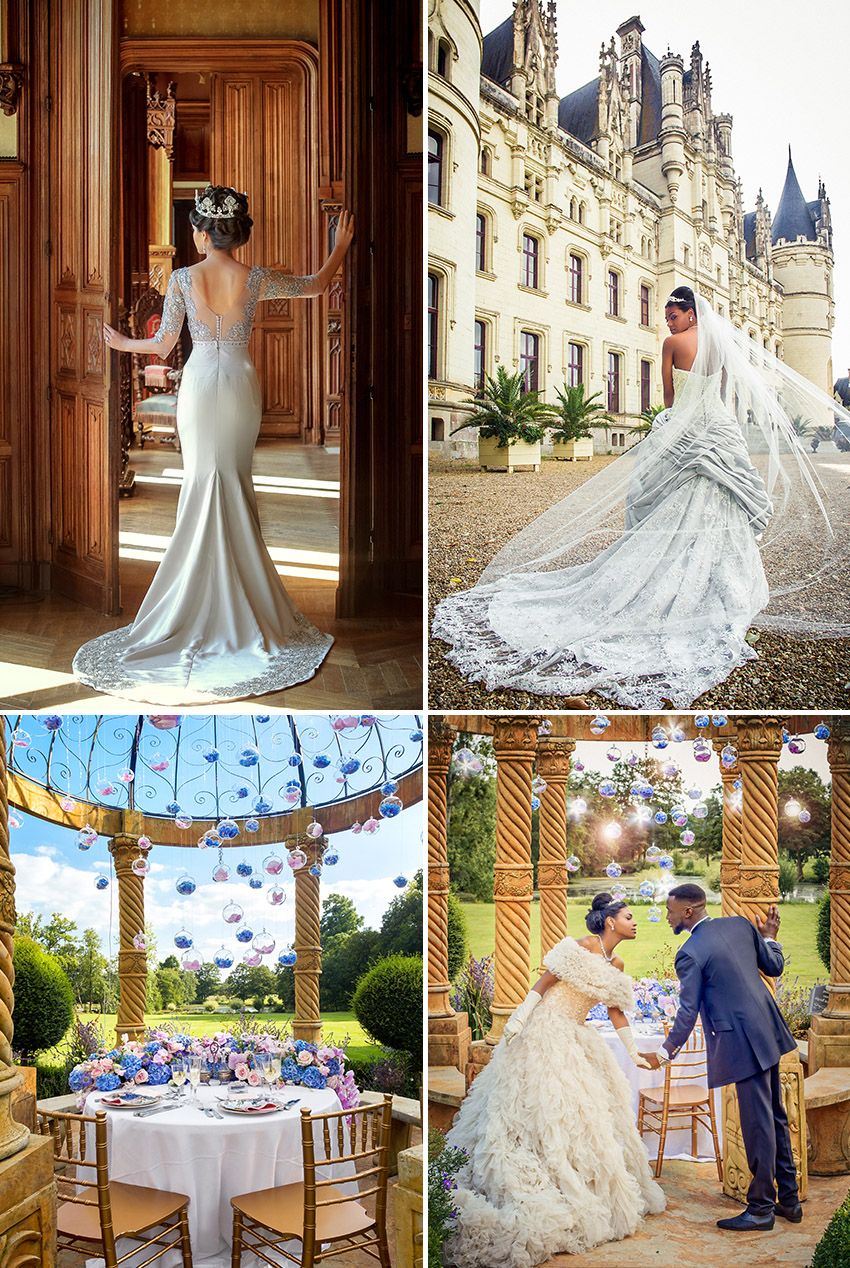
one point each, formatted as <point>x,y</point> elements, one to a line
<point>631,51</point>
<point>672,133</point>
<point>803,263</point>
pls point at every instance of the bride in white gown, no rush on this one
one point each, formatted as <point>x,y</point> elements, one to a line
<point>216,623</point>
<point>644,583</point>
<point>555,1162</point>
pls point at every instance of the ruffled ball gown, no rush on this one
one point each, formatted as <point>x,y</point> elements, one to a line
<point>556,1164</point>
<point>661,615</point>
<point>217,622</point>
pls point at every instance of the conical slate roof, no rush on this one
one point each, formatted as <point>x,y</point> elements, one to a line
<point>497,57</point>
<point>793,218</point>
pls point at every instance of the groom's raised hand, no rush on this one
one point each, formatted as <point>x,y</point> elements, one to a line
<point>769,927</point>
<point>651,1059</point>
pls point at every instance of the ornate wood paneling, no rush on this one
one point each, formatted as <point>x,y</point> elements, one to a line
<point>13,436</point>
<point>84,420</point>
<point>192,141</point>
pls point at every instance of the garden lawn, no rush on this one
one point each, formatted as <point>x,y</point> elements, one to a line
<point>797,935</point>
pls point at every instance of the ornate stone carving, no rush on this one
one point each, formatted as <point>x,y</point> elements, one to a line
<point>755,883</point>
<point>11,83</point>
<point>759,734</point>
<point>550,875</point>
<point>162,118</point>
<point>514,734</point>
<point>512,882</point>
<point>438,879</point>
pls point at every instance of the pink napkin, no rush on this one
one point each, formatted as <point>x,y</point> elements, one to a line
<point>258,1109</point>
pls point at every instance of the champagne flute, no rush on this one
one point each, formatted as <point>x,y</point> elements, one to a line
<point>275,1064</point>
<point>179,1074</point>
<point>195,1076</point>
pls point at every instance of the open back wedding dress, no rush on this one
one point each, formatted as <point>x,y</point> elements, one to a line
<point>216,623</point>
<point>642,585</point>
<point>555,1162</point>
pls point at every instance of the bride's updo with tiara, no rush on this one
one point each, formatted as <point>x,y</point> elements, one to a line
<point>222,212</point>
<point>602,909</point>
<point>682,297</point>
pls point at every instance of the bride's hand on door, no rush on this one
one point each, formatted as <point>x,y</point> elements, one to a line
<point>114,339</point>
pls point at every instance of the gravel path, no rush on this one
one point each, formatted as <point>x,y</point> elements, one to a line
<point>472,512</point>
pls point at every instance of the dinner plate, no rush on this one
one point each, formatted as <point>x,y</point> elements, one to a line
<point>248,1109</point>
<point>130,1100</point>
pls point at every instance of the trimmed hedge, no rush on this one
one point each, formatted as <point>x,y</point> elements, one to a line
<point>457,938</point>
<point>44,998</point>
<point>388,1004</point>
<point>822,932</point>
<point>833,1249</point>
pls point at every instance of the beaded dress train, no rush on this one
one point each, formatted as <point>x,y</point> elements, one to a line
<point>555,1162</point>
<point>217,622</point>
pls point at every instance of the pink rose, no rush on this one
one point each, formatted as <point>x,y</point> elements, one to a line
<point>333,1082</point>
<point>142,1077</point>
<point>324,1069</point>
<point>242,1070</point>
<point>253,1079</point>
<point>304,1058</point>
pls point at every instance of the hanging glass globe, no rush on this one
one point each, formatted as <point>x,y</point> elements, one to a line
<point>578,807</point>
<point>144,843</point>
<point>535,803</point>
<point>287,957</point>
<point>140,866</point>
<point>613,831</point>
<point>659,737</point>
<point>670,769</point>
<point>694,793</point>
<point>613,753</point>
<point>677,735</point>
<point>262,805</point>
<point>21,739</point>
<point>822,731</point>
<point>796,744</point>
<point>573,863</point>
<point>391,806</point>
<point>165,721</point>
<point>183,821</point>
<point>350,766</point>
<point>255,882</point>
<point>296,859</point>
<point>15,821</point>
<point>805,816</point>
<point>718,719</point>
<point>618,893</point>
<point>101,881</point>
<point>173,808</point>
<point>264,943</point>
<point>321,761</point>
<point>140,941</point>
<point>687,837</point>
<point>221,873</point>
<point>232,913</point>
<point>653,915</point>
<point>249,755</point>
<point>104,788</point>
<point>185,885</point>
<point>183,940</point>
<point>251,825</point>
<point>646,889</point>
<point>538,784</point>
<point>245,934</point>
<point>294,759</point>
<point>545,728</point>
<point>53,722</point>
<point>276,895</point>
<point>632,759</point>
<point>647,791</point>
<point>389,789</point>
<point>272,865</point>
<point>190,961</point>
<point>728,755</point>
<point>653,853</point>
<point>211,754</point>
<point>228,829</point>
<point>368,719</point>
<point>223,959</point>
<point>701,720</point>
<point>204,842</point>
<point>607,789</point>
<point>356,828</point>
<point>160,764</point>
<point>244,869</point>
<point>792,809</point>
<point>416,735</point>
<point>700,810</point>
<point>400,881</point>
<point>313,830</point>
<point>613,870</point>
<point>679,815</point>
<point>68,804</point>
<point>264,717</point>
<point>599,724</point>
<point>315,869</point>
<point>371,826</point>
<point>330,858</point>
<point>292,796</point>
<point>660,816</point>
<point>702,751</point>
<point>125,775</point>
<point>666,861</point>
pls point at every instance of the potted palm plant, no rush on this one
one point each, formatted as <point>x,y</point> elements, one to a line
<point>511,422</point>
<point>576,414</point>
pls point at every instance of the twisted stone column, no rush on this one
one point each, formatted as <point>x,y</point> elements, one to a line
<point>307,1021</point>
<point>514,744</point>
<point>132,963</point>
<point>553,766</point>
<point>441,736</point>
<point>759,747</point>
<point>730,858</point>
<point>13,1136</point>
<point>829,1035</point>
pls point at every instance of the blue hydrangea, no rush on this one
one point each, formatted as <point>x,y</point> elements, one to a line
<point>153,1047</point>
<point>290,1071</point>
<point>158,1074</point>
<point>311,1077</point>
<point>115,1055</point>
<point>130,1066</point>
<point>333,1065</point>
<point>301,1045</point>
<point>78,1079</point>
<point>107,1082</point>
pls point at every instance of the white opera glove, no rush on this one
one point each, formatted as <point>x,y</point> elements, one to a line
<point>627,1039</point>
<point>520,1015</point>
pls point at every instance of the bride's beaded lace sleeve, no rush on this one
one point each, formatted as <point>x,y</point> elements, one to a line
<point>275,285</point>
<point>173,312</point>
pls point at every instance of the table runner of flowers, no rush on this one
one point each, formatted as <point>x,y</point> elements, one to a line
<point>133,1063</point>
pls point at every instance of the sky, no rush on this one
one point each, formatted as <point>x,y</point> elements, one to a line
<point>53,875</point>
<point>775,70</point>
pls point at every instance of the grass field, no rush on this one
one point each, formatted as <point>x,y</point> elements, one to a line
<point>797,935</point>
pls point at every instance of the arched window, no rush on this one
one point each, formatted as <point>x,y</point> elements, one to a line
<point>480,365</point>
<point>576,279</point>
<point>581,210</point>
<point>435,169</point>
<point>529,360</point>
<point>575,365</point>
<point>613,293</point>
<point>613,382</point>
<point>444,59</point>
<point>433,322</point>
<point>644,305</point>
<point>481,242</point>
<point>484,161</point>
<point>645,385</point>
<point>530,261</point>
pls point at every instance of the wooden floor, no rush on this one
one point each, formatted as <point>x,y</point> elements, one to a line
<point>375,662</point>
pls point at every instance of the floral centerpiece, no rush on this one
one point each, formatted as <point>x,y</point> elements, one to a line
<point>133,1063</point>
<point>657,997</point>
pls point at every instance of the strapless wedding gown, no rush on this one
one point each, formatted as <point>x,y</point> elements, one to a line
<point>556,1164</point>
<point>662,613</point>
<point>216,623</point>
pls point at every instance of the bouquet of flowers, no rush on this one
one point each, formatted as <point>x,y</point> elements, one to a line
<point>656,997</point>
<point>130,1064</point>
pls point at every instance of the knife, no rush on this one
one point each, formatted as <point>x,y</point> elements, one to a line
<point>154,1109</point>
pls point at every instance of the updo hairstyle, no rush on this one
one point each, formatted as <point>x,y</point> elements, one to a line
<point>602,909</point>
<point>682,297</point>
<point>228,232</point>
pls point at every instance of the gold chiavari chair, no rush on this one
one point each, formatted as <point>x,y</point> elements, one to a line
<point>93,1212</point>
<point>689,1099</point>
<point>316,1212</point>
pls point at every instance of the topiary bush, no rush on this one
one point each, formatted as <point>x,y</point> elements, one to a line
<point>388,1004</point>
<point>44,998</point>
<point>833,1249</point>
<point>822,930</point>
<point>820,870</point>
<point>456,937</point>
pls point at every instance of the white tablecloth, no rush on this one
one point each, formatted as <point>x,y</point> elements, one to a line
<point>211,1160</point>
<point>678,1144</point>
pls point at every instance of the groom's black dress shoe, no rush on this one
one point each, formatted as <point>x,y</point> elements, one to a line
<point>791,1213</point>
<point>746,1223</point>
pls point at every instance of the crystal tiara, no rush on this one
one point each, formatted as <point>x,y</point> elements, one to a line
<point>206,207</point>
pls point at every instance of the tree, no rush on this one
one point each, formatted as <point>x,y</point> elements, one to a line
<point>471,821</point>
<point>339,915</point>
<point>586,836</point>
<point>58,936</point>
<point>804,840</point>
<point>245,982</point>
<point>575,413</point>
<point>170,962</point>
<point>457,937</point>
<point>401,927</point>
<point>207,982</point>
<point>344,961</point>
<point>89,975</point>
<point>388,1003</point>
<point>506,410</point>
<point>44,998</point>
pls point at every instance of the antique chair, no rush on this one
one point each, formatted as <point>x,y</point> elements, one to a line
<point>324,1219</point>
<point>93,1212</point>
<point>154,413</point>
<point>690,1099</point>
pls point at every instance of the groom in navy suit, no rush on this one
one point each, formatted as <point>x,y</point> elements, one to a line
<point>745,1036</point>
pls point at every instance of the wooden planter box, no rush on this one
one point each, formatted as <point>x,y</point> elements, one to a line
<point>492,456</point>
<point>571,450</point>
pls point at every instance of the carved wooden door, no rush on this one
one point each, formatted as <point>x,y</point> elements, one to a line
<point>263,141</point>
<point>85,442</point>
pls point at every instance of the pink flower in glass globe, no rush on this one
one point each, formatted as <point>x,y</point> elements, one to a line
<point>183,821</point>
<point>252,959</point>
<point>68,804</point>
<point>292,796</point>
<point>349,721</point>
<point>160,764</point>
<point>140,866</point>
<point>314,829</point>
<point>125,775</point>
<point>105,788</point>
<point>145,843</point>
<point>165,721</point>
<point>221,872</point>
<point>14,820</point>
<point>276,895</point>
<point>232,913</point>
<point>296,859</point>
<point>356,828</point>
<point>190,962</point>
<point>371,826</point>
<point>140,942</point>
<point>338,724</point>
<point>272,865</point>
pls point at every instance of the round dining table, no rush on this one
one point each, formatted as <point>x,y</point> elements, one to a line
<point>182,1150</point>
